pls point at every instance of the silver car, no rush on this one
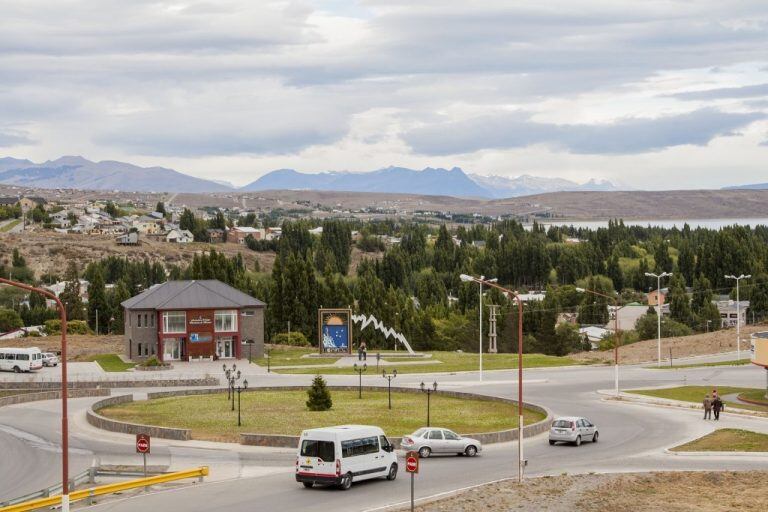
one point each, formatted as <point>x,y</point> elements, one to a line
<point>573,429</point>
<point>50,359</point>
<point>431,440</point>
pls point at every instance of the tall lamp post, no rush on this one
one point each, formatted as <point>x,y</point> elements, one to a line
<point>389,378</point>
<point>480,281</point>
<point>64,410</point>
<point>658,303</point>
<point>465,277</point>
<point>232,375</point>
<point>616,329</point>
<point>239,390</point>
<point>360,370</point>
<point>738,312</point>
<point>428,390</point>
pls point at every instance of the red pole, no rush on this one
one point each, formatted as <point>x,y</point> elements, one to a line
<point>64,422</point>
<point>520,388</point>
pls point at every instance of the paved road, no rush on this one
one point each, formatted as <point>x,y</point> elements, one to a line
<point>633,437</point>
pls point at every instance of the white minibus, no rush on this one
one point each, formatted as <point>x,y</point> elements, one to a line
<point>339,455</point>
<point>21,359</point>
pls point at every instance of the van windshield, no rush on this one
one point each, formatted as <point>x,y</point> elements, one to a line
<point>323,450</point>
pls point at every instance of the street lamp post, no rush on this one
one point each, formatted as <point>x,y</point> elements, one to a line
<point>616,329</point>
<point>64,409</point>
<point>239,390</point>
<point>389,378</point>
<point>360,370</point>
<point>738,312</point>
<point>658,303</point>
<point>465,277</point>
<point>480,281</point>
<point>428,390</point>
<point>232,375</point>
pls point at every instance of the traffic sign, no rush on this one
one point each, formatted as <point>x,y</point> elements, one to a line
<point>412,462</point>
<point>142,443</point>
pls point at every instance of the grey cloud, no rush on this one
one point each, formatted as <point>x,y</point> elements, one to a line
<point>625,136</point>
<point>748,91</point>
<point>9,138</point>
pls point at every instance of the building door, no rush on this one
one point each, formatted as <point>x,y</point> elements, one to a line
<point>172,349</point>
<point>225,347</point>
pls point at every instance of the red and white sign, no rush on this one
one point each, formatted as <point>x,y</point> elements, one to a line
<point>142,443</point>
<point>412,462</point>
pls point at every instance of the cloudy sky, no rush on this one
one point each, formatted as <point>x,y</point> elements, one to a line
<point>652,94</point>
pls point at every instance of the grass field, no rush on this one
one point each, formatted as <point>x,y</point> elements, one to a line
<point>740,362</point>
<point>110,362</point>
<point>453,362</point>
<point>727,440</point>
<point>7,227</point>
<point>285,412</point>
<point>695,394</point>
<point>290,356</point>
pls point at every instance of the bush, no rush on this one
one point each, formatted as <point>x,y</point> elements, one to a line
<point>73,327</point>
<point>319,396</point>
<point>10,320</point>
<point>152,361</point>
<point>297,339</point>
<point>647,327</point>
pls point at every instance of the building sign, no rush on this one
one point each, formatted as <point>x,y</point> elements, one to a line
<point>196,337</point>
<point>200,320</point>
<point>334,330</point>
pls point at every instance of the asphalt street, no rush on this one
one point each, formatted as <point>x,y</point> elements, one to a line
<point>632,438</point>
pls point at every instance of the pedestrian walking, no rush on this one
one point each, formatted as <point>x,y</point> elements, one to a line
<point>364,348</point>
<point>717,406</point>
<point>707,408</point>
<point>360,350</point>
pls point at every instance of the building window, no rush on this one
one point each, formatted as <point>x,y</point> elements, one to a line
<point>174,322</point>
<point>146,323</point>
<point>225,321</point>
<point>138,349</point>
<point>139,317</point>
<point>152,320</point>
<point>248,312</point>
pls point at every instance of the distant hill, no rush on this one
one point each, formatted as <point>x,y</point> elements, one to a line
<point>754,186</point>
<point>76,172</point>
<point>499,187</point>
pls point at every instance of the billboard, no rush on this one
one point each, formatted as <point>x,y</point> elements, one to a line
<point>759,348</point>
<point>334,330</point>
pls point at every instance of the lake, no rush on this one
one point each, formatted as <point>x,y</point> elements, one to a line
<point>669,224</point>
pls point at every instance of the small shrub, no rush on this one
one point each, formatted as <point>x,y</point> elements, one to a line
<point>297,339</point>
<point>152,361</point>
<point>319,396</point>
<point>73,327</point>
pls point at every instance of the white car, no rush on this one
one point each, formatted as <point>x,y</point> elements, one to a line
<point>573,429</point>
<point>431,440</point>
<point>339,455</point>
<point>50,359</point>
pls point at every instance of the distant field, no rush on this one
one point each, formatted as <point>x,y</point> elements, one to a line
<point>727,440</point>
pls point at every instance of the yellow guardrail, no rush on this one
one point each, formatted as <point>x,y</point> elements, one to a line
<point>108,489</point>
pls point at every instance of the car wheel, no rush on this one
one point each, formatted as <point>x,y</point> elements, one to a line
<point>346,482</point>
<point>424,452</point>
<point>471,451</point>
<point>392,472</point>
<point>308,485</point>
<point>595,437</point>
<point>16,369</point>
<point>578,441</point>
<point>552,443</point>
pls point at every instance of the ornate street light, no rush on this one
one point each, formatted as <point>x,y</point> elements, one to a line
<point>389,378</point>
<point>428,391</point>
<point>360,370</point>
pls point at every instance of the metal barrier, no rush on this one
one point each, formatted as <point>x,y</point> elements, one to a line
<point>86,476</point>
<point>101,490</point>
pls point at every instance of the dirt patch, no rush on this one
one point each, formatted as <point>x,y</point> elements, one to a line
<point>682,346</point>
<point>79,346</point>
<point>649,492</point>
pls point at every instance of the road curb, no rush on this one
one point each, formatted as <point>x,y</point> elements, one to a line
<point>677,404</point>
<point>761,455</point>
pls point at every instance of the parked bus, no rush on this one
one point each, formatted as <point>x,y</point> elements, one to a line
<point>21,359</point>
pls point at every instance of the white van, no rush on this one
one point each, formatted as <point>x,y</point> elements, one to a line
<point>339,455</point>
<point>21,359</point>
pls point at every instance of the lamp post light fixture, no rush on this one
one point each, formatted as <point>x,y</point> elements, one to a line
<point>658,303</point>
<point>738,313</point>
<point>360,370</point>
<point>266,348</point>
<point>465,277</point>
<point>480,281</point>
<point>232,375</point>
<point>428,390</point>
<point>616,332</point>
<point>239,390</point>
<point>389,378</point>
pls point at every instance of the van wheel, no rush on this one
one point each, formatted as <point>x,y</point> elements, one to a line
<point>308,485</point>
<point>424,452</point>
<point>578,441</point>
<point>392,472</point>
<point>346,482</point>
<point>471,451</point>
<point>16,369</point>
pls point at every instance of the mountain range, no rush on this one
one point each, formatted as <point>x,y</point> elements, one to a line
<point>76,172</point>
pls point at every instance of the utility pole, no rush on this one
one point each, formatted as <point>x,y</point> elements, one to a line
<point>738,312</point>
<point>658,303</point>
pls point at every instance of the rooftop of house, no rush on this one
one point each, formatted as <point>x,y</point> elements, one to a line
<point>196,294</point>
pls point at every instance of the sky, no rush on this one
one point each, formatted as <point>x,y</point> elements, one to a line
<point>658,94</point>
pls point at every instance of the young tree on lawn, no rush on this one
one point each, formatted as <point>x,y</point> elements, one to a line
<point>319,398</point>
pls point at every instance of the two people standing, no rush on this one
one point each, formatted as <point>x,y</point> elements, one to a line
<point>714,404</point>
<point>362,352</point>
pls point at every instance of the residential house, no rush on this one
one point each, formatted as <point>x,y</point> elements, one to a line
<point>30,203</point>
<point>131,238</point>
<point>179,236</point>
<point>239,234</point>
<point>58,288</point>
<point>274,233</point>
<point>316,231</point>
<point>216,236</point>
<point>594,334</point>
<point>653,297</point>
<point>148,225</point>
<point>629,314</point>
<point>732,312</point>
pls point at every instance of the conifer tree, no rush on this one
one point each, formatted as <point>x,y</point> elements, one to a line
<point>319,397</point>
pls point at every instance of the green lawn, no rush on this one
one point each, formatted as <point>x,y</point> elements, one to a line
<point>293,357</point>
<point>727,440</point>
<point>7,227</point>
<point>695,394</point>
<point>455,362</point>
<point>285,412</point>
<point>758,395</point>
<point>110,362</point>
<point>740,362</point>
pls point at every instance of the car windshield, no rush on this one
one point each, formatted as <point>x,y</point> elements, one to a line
<point>561,424</point>
<point>420,432</point>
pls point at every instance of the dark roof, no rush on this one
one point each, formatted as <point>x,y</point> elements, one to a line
<point>38,200</point>
<point>9,200</point>
<point>202,294</point>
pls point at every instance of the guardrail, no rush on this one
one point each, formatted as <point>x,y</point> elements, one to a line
<point>86,476</point>
<point>89,494</point>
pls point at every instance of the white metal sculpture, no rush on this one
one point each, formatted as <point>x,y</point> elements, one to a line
<point>364,321</point>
